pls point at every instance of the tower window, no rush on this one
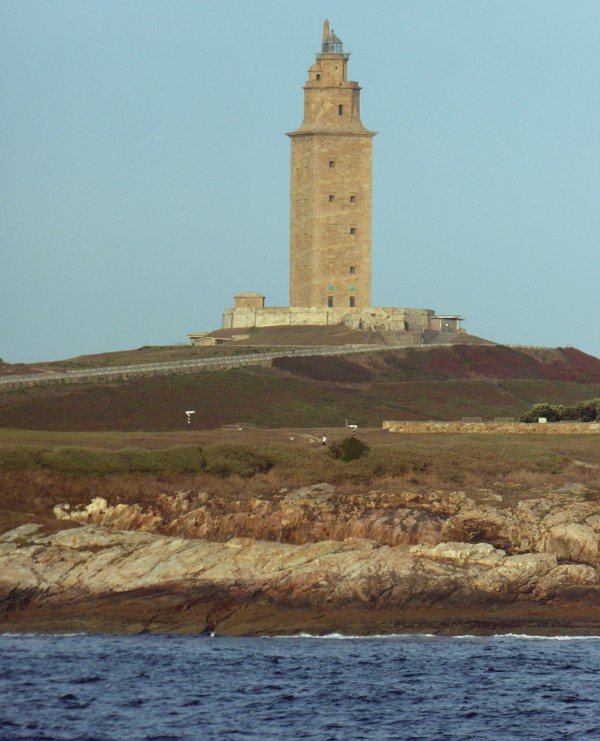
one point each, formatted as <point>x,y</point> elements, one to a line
<point>352,231</point>
<point>352,270</point>
<point>330,302</point>
<point>318,76</point>
<point>340,110</point>
<point>352,301</point>
<point>352,199</point>
<point>331,163</point>
<point>331,199</point>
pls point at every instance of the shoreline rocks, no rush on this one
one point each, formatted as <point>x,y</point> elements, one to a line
<point>93,578</point>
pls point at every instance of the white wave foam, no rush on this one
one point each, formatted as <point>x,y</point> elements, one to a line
<point>43,635</point>
<point>462,637</point>
<point>342,637</point>
<point>527,637</point>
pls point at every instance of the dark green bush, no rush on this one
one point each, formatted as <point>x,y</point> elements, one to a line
<point>13,459</point>
<point>587,411</point>
<point>240,460</point>
<point>84,461</point>
<point>552,412</point>
<point>583,411</point>
<point>350,449</point>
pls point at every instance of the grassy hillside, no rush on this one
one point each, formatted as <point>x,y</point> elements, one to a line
<point>415,384</point>
<point>255,340</point>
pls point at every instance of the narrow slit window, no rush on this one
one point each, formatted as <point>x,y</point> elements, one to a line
<point>330,302</point>
<point>352,269</point>
<point>352,199</point>
<point>352,302</point>
<point>331,164</point>
<point>331,199</point>
<point>340,110</point>
<point>352,231</point>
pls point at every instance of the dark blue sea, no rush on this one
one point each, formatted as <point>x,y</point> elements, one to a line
<point>169,688</point>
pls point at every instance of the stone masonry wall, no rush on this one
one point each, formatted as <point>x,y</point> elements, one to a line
<point>330,229</point>
<point>477,428</point>
<point>369,318</point>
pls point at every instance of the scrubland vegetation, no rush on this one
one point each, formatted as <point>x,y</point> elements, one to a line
<point>33,478</point>
<point>127,441</point>
<point>582,411</point>
<point>449,461</point>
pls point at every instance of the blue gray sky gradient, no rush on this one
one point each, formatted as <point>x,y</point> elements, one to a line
<point>144,170</point>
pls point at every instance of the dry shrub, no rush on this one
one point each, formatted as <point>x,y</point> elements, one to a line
<point>496,456</point>
<point>220,460</point>
<point>16,458</point>
<point>240,460</point>
<point>452,461</point>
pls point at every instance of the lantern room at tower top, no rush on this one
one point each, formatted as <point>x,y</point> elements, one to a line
<point>330,215</point>
<point>331,44</point>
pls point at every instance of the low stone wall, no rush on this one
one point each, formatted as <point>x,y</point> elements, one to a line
<point>478,428</point>
<point>371,317</point>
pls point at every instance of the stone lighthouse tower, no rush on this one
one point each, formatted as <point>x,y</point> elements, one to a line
<point>330,220</point>
<point>331,176</point>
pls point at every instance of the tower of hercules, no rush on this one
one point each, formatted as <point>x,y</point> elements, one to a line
<point>330,221</point>
<point>331,175</point>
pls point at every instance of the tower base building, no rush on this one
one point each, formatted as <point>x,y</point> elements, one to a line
<point>370,318</point>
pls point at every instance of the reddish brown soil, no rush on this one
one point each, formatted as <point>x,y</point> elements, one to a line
<point>456,362</point>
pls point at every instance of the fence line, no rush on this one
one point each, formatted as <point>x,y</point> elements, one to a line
<point>228,362</point>
<point>187,366</point>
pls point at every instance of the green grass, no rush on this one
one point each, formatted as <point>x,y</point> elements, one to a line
<point>449,460</point>
<point>152,354</point>
<point>217,460</point>
<point>270,398</point>
<point>554,392</point>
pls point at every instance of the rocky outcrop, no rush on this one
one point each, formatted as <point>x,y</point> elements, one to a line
<point>308,514</point>
<point>310,560</point>
<point>560,522</point>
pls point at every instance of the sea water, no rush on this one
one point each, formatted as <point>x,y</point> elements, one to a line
<point>163,688</point>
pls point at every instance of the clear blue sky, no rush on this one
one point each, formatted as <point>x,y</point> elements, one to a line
<point>144,170</point>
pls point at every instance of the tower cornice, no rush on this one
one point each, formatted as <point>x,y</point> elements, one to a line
<point>336,132</point>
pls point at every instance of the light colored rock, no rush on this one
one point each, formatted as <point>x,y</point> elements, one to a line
<point>563,577</point>
<point>560,523</point>
<point>481,553</point>
<point>516,574</point>
<point>315,547</point>
<point>91,560</point>
<point>571,541</point>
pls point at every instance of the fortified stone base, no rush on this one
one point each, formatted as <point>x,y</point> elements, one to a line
<point>368,318</point>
